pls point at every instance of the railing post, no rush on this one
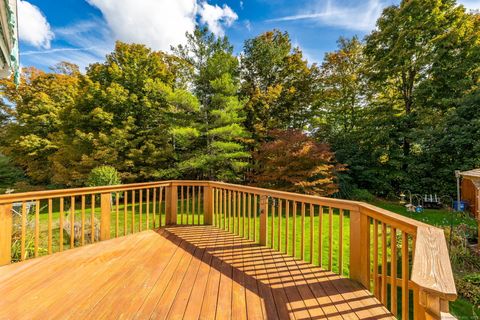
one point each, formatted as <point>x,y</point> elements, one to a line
<point>433,307</point>
<point>360,248</point>
<point>171,204</point>
<point>5,234</point>
<point>263,220</point>
<point>105,212</point>
<point>207,205</point>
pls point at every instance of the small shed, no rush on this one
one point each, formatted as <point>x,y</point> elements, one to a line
<point>470,190</point>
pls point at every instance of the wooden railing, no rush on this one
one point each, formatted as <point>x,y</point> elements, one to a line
<point>403,262</point>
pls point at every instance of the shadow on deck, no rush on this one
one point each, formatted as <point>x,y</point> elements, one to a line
<point>187,272</point>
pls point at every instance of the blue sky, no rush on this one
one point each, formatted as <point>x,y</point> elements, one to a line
<point>83,31</point>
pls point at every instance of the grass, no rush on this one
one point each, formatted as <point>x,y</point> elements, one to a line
<point>461,308</point>
<point>439,218</point>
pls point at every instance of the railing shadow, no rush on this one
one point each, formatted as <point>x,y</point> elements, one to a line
<point>287,287</point>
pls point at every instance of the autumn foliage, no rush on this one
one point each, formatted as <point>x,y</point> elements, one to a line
<point>293,161</point>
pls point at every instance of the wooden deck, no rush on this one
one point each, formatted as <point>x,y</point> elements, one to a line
<point>185,272</point>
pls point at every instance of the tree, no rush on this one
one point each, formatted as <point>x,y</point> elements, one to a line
<point>219,152</point>
<point>35,110</point>
<point>414,53</point>
<point>293,161</point>
<point>343,82</point>
<point>127,116</point>
<point>279,85</point>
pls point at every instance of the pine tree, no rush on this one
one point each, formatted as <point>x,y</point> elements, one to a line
<point>219,152</point>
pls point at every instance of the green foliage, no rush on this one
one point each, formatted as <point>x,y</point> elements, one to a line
<point>399,110</point>
<point>362,195</point>
<point>278,84</point>
<point>103,176</point>
<point>469,288</point>
<point>219,152</point>
<point>9,174</point>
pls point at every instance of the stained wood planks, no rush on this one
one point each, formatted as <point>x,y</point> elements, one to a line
<point>187,272</point>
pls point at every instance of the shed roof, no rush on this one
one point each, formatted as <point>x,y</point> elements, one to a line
<point>471,174</point>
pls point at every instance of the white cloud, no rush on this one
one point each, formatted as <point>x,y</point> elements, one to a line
<point>360,16</point>
<point>161,23</point>
<point>33,26</point>
<point>470,4</point>
<point>156,23</point>
<point>216,18</point>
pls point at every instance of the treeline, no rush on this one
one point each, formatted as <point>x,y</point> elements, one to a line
<point>398,110</point>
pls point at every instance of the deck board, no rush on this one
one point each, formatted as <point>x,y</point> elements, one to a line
<point>189,272</point>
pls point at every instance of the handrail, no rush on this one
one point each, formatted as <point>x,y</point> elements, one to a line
<point>218,203</point>
<point>45,194</point>
<point>431,267</point>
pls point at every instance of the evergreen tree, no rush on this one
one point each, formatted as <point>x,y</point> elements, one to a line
<point>219,152</point>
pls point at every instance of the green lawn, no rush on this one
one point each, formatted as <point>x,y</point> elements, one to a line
<point>460,308</point>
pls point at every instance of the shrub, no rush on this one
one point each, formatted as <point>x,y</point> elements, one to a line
<point>103,176</point>
<point>469,288</point>
<point>362,195</point>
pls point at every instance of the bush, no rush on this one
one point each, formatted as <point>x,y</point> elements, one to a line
<point>362,195</point>
<point>469,288</point>
<point>103,176</point>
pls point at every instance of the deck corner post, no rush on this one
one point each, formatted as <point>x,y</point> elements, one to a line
<point>263,220</point>
<point>171,194</point>
<point>6,219</point>
<point>360,248</point>
<point>208,205</point>
<point>105,212</point>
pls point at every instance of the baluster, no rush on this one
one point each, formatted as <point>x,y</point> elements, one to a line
<point>330,238</point>
<point>72,222</point>
<point>320,236</point>
<point>198,205</point>
<point>294,231</point>
<point>50,231</point>
<point>182,212</point>
<point>287,226</point>
<point>193,204</point>
<point>148,209</point>
<point>188,206</point>
<point>61,224</point>
<point>37,227</point>
<point>376,290</point>
<point>133,212</point>
<point>117,212</point>
<point>140,210</point>
<point>393,270</point>
<point>302,245</point>
<point>125,212</point>
<point>384,264</point>
<point>312,224</point>
<point>234,214</point>
<point>249,201</point>
<point>154,200</point>
<point>272,224</point>
<point>24,231</point>
<point>244,209</point>
<point>340,243</point>
<point>82,235</point>
<point>263,220</point>
<point>160,206</point>
<point>405,266</point>
<point>279,232</point>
